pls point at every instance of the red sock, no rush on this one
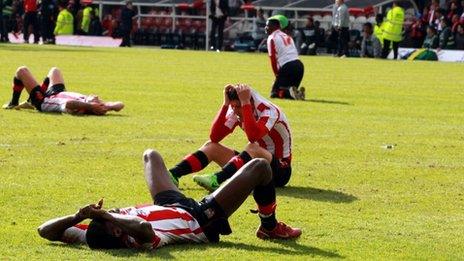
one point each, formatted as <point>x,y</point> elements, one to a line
<point>267,210</point>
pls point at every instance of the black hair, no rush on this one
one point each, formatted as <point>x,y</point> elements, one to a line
<point>97,236</point>
<point>274,22</point>
<point>369,25</point>
<point>232,95</point>
<point>379,18</point>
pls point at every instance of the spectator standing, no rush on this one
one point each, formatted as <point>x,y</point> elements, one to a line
<point>219,11</point>
<point>378,28</point>
<point>370,45</point>
<point>393,29</point>
<point>127,16</point>
<point>48,12</point>
<point>431,40</point>
<point>341,26</point>
<point>30,20</point>
<point>460,37</point>
<point>259,23</point>
<point>65,21</point>
<point>96,28</point>
<point>85,22</point>
<point>446,36</point>
<point>3,21</point>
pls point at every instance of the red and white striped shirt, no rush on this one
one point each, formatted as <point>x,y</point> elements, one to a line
<point>170,224</point>
<point>281,49</point>
<point>263,122</point>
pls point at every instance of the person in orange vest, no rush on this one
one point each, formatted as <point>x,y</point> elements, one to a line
<point>30,19</point>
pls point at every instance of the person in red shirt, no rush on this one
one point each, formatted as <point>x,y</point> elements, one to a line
<point>30,20</point>
<point>267,131</point>
<point>173,218</point>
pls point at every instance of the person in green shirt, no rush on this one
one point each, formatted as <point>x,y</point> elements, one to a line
<point>64,22</point>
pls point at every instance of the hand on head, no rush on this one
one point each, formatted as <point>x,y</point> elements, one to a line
<point>227,88</point>
<point>244,93</point>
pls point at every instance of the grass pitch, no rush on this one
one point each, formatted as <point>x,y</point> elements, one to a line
<point>378,152</point>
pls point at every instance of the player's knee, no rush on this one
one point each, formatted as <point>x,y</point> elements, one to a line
<point>22,70</point>
<point>262,167</point>
<point>150,155</point>
<point>253,149</point>
<point>210,145</point>
<point>53,71</point>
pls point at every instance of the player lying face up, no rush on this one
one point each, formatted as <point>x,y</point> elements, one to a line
<point>51,95</point>
<point>173,218</point>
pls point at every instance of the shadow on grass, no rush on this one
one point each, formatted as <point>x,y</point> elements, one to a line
<point>283,247</point>
<point>329,102</point>
<point>325,195</point>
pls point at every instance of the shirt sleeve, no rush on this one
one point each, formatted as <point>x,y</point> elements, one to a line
<point>75,234</point>
<point>222,125</point>
<point>255,130</point>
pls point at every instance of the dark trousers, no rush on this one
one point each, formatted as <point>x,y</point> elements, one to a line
<point>126,36</point>
<point>290,75</point>
<point>217,26</point>
<point>30,19</point>
<point>343,39</point>
<point>386,48</point>
<point>3,28</point>
<point>47,27</point>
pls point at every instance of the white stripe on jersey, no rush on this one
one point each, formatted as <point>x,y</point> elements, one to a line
<point>57,102</point>
<point>170,224</point>
<point>284,47</point>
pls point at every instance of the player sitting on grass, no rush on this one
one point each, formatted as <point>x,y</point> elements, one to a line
<point>52,96</point>
<point>173,218</point>
<point>266,128</point>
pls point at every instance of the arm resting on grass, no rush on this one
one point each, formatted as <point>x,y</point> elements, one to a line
<point>53,230</point>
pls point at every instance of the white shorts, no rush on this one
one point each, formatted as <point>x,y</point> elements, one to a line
<point>57,102</point>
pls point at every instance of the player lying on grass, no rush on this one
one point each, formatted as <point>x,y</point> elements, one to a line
<point>267,131</point>
<point>174,218</point>
<point>52,96</point>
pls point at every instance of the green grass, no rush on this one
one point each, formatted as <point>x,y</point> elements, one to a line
<point>353,198</point>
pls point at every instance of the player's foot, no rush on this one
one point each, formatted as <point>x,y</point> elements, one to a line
<point>25,105</point>
<point>301,94</point>
<point>9,106</point>
<point>281,231</point>
<point>207,181</point>
<point>174,179</point>
<point>293,91</point>
<point>115,106</point>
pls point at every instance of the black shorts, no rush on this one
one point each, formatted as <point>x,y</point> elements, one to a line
<point>207,212</point>
<point>281,171</point>
<point>37,96</point>
<point>289,75</point>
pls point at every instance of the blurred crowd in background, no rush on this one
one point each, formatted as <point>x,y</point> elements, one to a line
<point>438,25</point>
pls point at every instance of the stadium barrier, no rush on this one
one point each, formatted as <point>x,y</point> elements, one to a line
<point>443,55</point>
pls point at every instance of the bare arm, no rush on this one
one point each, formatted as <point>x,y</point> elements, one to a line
<point>53,230</point>
<point>78,107</point>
